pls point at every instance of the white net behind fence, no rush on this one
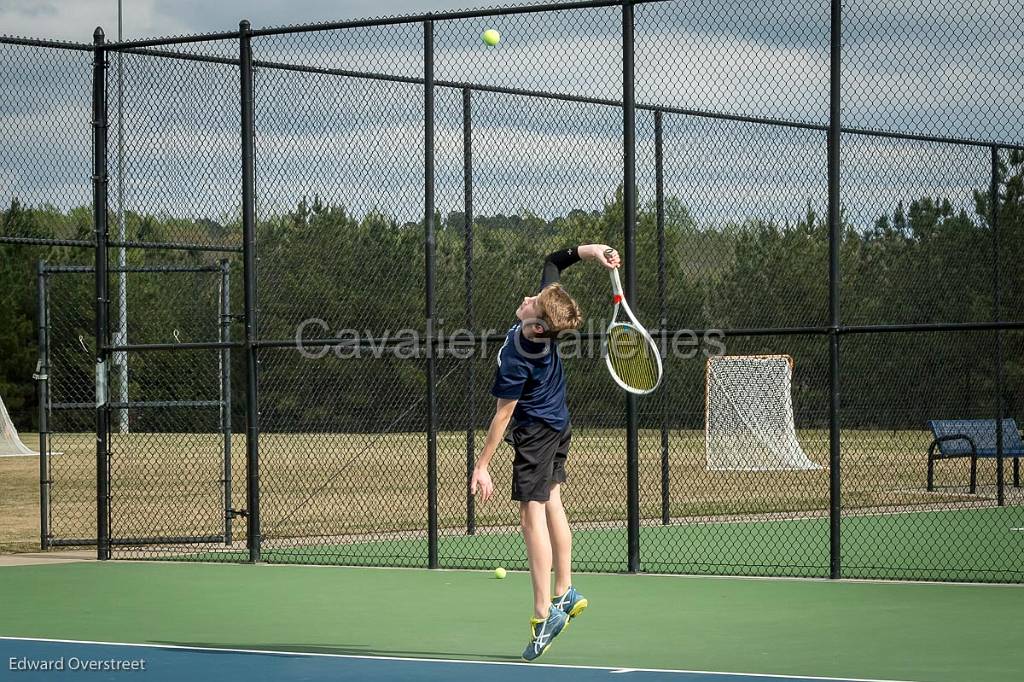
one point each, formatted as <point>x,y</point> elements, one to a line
<point>749,422</point>
<point>10,443</point>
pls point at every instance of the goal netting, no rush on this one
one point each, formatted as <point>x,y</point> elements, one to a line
<point>748,419</point>
<point>10,442</point>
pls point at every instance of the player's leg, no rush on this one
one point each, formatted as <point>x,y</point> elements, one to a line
<point>533,517</point>
<point>566,597</point>
<point>547,620</point>
<point>561,540</point>
<point>535,447</point>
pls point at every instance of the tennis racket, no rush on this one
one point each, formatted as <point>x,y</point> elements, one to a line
<point>632,358</point>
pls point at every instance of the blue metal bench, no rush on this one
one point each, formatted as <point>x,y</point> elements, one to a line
<point>973,438</point>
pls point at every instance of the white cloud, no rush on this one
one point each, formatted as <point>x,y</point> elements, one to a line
<point>731,74</point>
<point>359,144</point>
<point>75,20</point>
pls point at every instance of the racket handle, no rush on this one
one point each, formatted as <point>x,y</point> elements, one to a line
<point>616,284</point>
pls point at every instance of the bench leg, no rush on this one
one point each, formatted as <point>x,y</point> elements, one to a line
<point>1016,472</point>
<point>974,474</point>
<point>931,471</point>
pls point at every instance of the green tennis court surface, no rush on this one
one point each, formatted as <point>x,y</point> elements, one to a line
<point>978,544</point>
<point>882,631</point>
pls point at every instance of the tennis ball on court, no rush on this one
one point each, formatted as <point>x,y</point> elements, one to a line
<point>491,37</point>
<point>500,573</point>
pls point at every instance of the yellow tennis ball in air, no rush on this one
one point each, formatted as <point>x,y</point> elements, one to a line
<point>491,37</point>
<point>500,573</point>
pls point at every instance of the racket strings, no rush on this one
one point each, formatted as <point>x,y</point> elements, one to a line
<point>632,358</point>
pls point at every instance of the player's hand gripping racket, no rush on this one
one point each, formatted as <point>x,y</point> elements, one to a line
<point>632,358</point>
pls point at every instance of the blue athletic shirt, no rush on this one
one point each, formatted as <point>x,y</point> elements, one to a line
<point>531,371</point>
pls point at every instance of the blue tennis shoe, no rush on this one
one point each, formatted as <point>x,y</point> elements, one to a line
<point>543,631</point>
<point>572,602</point>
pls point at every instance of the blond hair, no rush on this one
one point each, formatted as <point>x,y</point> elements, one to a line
<point>557,310</point>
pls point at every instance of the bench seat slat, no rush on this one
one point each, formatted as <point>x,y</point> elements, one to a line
<point>975,439</point>
<point>981,431</point>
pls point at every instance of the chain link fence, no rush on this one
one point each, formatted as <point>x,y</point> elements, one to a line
<point>174,304</point>
<point>384,192</point>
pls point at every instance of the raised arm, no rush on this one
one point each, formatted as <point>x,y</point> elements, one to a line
<point>559,260</point>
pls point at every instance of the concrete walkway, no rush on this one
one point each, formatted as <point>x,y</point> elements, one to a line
<point>61,557</point>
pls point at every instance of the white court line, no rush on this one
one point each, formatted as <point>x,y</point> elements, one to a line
<point>446,660</point>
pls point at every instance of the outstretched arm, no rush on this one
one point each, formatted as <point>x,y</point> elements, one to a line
<point>481,480</point>
<point>558,261</point>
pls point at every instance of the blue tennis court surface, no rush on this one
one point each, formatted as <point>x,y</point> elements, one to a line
<point>36,659</point>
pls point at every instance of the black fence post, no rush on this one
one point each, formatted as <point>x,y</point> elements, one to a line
<point>428,209</point>
<point>659,202</point>
<point>254,539</point>
<point>834,237</point>
<point>629,239</point>
<point>99,213</point>
<point>467,175</point>
<point>225,391</point>
<point>42,377</point>
<point>997,315</point>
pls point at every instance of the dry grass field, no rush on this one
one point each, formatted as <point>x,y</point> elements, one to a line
<point>337,485</point>
<point>19,500</point>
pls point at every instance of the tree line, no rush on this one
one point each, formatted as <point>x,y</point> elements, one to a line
<point>924,262</point>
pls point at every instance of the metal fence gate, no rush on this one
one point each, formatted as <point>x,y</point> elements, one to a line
<point>142,406</point>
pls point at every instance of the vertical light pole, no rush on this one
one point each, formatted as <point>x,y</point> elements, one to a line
<point>99,219</point>
<point>121,359</point>
<point>629,242</point>
<point>835,235</point>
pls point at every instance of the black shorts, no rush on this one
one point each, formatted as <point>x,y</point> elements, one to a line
<point>541,452</point>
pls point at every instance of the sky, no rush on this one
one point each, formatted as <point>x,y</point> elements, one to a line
<point>946,69</point>
<point>75,19</point>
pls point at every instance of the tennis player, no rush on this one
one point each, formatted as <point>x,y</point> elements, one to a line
<point>529,384</point>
